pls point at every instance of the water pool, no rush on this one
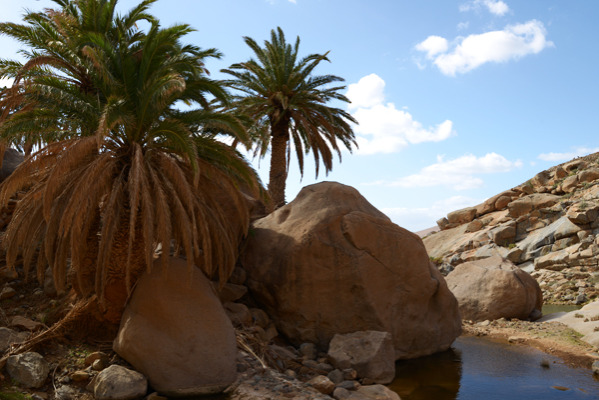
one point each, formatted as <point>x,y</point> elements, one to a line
<point>482,369</point>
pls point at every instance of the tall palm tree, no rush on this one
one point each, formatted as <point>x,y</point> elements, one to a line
<point>106,192</point>
<point>288,104</point>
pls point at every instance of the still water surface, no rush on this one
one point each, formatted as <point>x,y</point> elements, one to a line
<point>482,369</point>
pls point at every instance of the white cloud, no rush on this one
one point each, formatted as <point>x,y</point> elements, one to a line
<point>496,7</point>
<point>416,219</point>
<point>382,127</point>
<point>368,92</point>
<point>567,156</point>
<point>433,45</point>
<point>511,43</point>
<point>459,174</point>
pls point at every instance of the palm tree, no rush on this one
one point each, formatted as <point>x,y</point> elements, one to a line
<point>288,104</point>
<point>106,192</point>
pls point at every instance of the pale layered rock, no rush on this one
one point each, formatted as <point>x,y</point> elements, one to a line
<point>583,213</point>
<point>462,216</point>
<point>541,179</point>
<point>175,331</point>
<point>443,223</point>
<point>475,226</point>
<point>570,183</point>
<point>504,234</point>
<point>575,166</point>
<point>588,325</point>
<point>531,246</point>
<point>445,244</point>
<point>559,173</point>
<point>555,261</point>
<point>119,383</point>
<point>28,369</point>
<point>502,202</point>
<point>330,240</point>
<point>494,288</point>
<point>485,251</point>
<point>526,204</point>
<point>370,353</point>
<point>588,175</point>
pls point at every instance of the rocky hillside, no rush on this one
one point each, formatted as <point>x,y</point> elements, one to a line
<point>548,226</point>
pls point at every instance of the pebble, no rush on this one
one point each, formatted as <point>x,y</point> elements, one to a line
<point>7,293</point>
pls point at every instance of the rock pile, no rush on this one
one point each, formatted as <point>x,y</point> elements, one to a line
<point>548,226</point>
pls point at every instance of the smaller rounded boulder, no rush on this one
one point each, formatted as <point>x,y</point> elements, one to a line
<point>493,288</point>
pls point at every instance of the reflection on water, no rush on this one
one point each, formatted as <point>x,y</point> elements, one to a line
<point>555,308</point>
<point>434,377</point>
<point>483,369</point>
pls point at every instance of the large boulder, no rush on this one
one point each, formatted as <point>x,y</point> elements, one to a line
<point>175,331</point>
<point>12,159</point>
<point>329,262</point>
<point>493,288</point>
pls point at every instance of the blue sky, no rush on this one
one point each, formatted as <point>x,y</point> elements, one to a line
<point>457,100</point>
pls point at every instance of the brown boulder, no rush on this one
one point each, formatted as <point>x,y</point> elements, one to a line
<point>526,204</point>
<point>493,288</point>
<point>329,263</point>
<point>462,216</point>
<point>589,175</point>
<point>175,331</point>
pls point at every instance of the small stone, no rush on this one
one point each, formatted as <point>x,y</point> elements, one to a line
<point>350,374</point>
<point>80,376</point>
<point>322,384</point>
<point>336,376</point>
<point>595,368</point>
<point>349,385</point>
<point>260,317</point>
<point>99,364</point>
<point>25,323</point>
<point>96,355</point>
<point>7,292</point>
<point>29,369</point>
<point>291,373</point>
<point>309,350</point>
<point>66,392</point>
<point>116,382</point>
<point>9,337</point>
<point>341,394</point>
<point>326,367</point>
<point>581,298</point>
<point>310,364</point>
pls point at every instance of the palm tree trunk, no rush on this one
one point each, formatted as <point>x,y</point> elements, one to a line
<point>116,291</point>
<point>278,165</point>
